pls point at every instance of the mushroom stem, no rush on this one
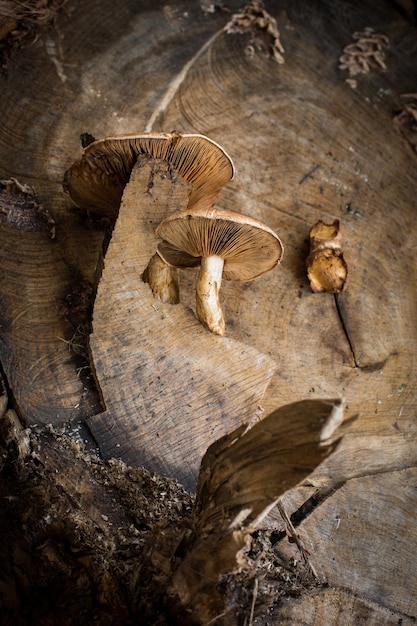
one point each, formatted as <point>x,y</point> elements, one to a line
<point>162,279</point>
<point>208,307</point>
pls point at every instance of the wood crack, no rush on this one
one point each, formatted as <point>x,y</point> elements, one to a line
<point>344,328</point>
<point>177,81</point>
<point>321,495</point>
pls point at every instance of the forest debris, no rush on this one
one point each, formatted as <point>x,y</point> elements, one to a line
<point>226,245</point>
<point>326,267</point>
<point>254,19</point>
<point>118,544</point>
<point>73,529</point>
<point>14,438</point>
<point>77,307</point>
<point>405,120</point>
<point>209,7</point>
<point>364,54</point>
<point>20,207</point>
<point>22,21</point>
<point>242,477</point>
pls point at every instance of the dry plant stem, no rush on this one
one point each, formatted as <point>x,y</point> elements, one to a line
<point>292,535</point>
<point>163,280</point>
<point>209,280</point>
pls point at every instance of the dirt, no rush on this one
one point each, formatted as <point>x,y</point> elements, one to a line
<point>98,541</point>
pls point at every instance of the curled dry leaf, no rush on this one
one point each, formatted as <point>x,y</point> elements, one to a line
<point>326,267</point>
<point>262,27</point>
<point>241,478</point>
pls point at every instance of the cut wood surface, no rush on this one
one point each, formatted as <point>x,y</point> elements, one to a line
<point>170,387</point>
<point>307,146</point>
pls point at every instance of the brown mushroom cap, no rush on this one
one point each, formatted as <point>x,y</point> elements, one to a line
<point>248,247</point>
<point>96,182</point>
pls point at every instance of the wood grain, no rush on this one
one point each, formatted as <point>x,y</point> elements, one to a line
<point>170,388</point>
<point>306,147</point>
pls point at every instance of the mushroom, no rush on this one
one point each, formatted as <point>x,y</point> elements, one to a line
<point>96,181</point>
<point>225,245</point>
<point>326,267</point>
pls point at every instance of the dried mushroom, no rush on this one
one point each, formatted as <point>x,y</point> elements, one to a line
<point>365,53</point>
<point>262,27</point>
<point>326,266</point>
<point>225,245</point>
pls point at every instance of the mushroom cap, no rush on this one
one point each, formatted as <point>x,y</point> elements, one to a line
<point>248,247</point>
<point>96,181</point>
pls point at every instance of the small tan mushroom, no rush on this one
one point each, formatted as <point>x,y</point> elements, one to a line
<point>225,245</point>
<point>326,266</point>
<point>96,182</point>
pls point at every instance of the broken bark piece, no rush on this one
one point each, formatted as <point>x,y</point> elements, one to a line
<point>20,207</point>
<point>326,267</point>
<point>242,476</point>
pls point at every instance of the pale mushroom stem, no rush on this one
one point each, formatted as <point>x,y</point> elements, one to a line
<point>162,279</point>
<point>208,307</point>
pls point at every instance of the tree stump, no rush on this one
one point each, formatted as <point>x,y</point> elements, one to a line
<point>311,140</point>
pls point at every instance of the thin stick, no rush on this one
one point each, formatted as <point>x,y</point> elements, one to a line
<point>254,596</point>
<point>296,538</point>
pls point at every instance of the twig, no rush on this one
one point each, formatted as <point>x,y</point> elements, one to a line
<point>254,596</point>
<point>290,530</point>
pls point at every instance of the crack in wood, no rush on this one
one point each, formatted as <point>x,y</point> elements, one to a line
<point>345,330</point>
<point>322,494</point>
<point>177,81</point>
